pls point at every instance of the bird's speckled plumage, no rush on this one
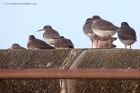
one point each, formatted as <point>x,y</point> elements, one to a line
<point>103,27</point>
<point>49,34</point>
<point>37,43</point>
<point>62,42</point>
<point>87,28</point>
<point>16,46</point>
<point>127,35</point>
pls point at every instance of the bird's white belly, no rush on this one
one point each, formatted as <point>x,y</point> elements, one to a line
<point>49,41</point>
<point>127,42</point>
<point>90,35</point>
<point>103,33</point>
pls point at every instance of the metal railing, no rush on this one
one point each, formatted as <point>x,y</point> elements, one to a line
<point>71,73</point>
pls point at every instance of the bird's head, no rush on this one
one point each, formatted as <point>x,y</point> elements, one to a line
<point>31,37</point>
<point>45,28</point>
<point>95,17</point>
<point>88,20</point>
<point>14,45</point>
<point>124,24</point>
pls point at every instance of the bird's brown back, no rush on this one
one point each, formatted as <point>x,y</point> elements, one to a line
<point>36,43</point>
<point>127,33</point>
<point>104,25</point>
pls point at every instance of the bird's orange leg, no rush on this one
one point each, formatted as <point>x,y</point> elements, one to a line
<point>97,42</point>
<point>125,46</point>
<point>92,43</point>
<point>101,44</point>
<point>130,47</point>
<point>109,38</point>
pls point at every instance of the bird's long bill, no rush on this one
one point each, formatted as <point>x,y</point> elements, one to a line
<point>40,30</point>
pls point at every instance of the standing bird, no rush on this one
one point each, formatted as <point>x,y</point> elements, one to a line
<point>127,35</point>
<point>103,28</point>
<point>16,46</point>
<point>37,43</point>
<point>49,35</point>
<point>88,31</point>
<point>62,42</point>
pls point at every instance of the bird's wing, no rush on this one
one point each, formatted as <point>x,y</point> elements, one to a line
<point>104,25</point>
<point>133,34</point>
<point>87,28</point>
<point>127,33</point>
<point>44,45</point>
<point>64,43</point>
<point>51,34</point>
<point>39,44</point>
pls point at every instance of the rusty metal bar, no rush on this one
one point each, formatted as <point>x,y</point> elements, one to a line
<point>71,73</point>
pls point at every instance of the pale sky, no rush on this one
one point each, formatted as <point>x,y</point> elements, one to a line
<point>21,18</point>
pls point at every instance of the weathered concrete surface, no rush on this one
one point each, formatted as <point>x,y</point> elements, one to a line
<point>13,59</point>
<point>66,58</point>
<point>33,58</point>
<point>110,58</point>
<point>107,58</point>
<point>29,86</point>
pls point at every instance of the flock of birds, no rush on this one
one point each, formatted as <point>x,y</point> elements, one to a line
<point>52,39</point>
<point>99,31</point>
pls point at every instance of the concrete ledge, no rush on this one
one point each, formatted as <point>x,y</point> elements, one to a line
<point>32,58</point>
<point>23,59</point>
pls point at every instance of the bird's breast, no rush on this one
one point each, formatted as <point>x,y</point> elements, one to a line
<point>49,41</point>
<point>127,42</point>
<point>103,33</point>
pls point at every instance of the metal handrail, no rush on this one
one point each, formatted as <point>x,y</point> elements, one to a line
<point>71,73</point>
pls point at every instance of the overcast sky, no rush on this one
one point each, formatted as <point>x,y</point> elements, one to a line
<point>21,18</point>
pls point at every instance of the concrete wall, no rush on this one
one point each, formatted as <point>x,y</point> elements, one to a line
<point>71,59</point>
